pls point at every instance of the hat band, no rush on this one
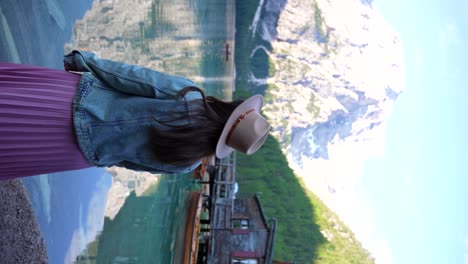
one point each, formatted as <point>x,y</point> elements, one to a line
<point>239,119</point>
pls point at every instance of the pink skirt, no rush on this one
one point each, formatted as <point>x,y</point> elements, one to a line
<point>36,125</point>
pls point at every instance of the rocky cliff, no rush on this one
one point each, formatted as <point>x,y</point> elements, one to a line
<point>335,70</point>
<point>141,32</point>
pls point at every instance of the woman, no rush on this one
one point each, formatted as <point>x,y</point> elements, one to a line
<point>115,114</point>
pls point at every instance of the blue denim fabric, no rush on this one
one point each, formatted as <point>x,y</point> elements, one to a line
<point>116,107</point>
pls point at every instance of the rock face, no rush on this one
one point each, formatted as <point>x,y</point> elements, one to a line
<point>338,68</point>
<point>141,32</point>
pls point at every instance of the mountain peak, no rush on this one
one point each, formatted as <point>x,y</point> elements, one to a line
<point>339,68</point>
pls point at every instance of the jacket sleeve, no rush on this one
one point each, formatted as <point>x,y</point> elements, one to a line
<point>130,79</point>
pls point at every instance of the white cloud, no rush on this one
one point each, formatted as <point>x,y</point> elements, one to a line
<point>43,181</point>
<point>93,222</point>
<point>338,182</point>
<point>383,254</point>
<point>357,210</point>
<point>76,246</point>
<point>351,201</point>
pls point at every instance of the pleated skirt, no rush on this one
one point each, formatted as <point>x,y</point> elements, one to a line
<point>36,123</point>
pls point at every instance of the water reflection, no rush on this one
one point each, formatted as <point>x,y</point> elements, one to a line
<point>146,228</point>
<point>182,37</point>
<point>91,215</point>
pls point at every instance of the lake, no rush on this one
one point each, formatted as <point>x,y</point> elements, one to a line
<point>103,216</point>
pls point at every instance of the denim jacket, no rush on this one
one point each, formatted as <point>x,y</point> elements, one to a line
<point>118,105</point>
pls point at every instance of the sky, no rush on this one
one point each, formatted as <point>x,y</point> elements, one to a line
<point>417,191</point>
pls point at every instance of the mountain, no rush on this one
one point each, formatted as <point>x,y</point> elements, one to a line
<point>338,71</point>
<point>142,32</point>
<point>124,182</point>
<point>330,71</point>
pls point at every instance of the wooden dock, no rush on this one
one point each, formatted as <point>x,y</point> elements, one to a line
<point>223,227</point>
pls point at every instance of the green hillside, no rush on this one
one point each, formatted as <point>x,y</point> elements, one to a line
<point>307,232</point>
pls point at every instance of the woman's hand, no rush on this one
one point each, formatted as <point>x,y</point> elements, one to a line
<point>67,67</point>
<point>69,62</point>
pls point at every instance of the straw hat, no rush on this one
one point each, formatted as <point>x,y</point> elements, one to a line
<point>245,130</point>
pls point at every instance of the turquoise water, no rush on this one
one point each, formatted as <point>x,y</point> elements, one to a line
<point>71,206</point>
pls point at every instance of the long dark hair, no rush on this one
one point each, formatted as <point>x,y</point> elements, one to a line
<point>183,145</point>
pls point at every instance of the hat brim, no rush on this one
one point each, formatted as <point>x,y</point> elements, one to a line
<point>254,102</point>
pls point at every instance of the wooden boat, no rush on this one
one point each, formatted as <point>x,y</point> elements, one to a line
<point>192,228</point>
<point>228,51</point>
